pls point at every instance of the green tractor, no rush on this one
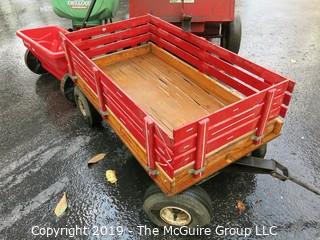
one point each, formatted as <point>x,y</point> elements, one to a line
<point>86,13</point>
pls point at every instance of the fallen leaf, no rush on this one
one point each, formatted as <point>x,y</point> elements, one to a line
<point>61,206</point>
<point>241,206</point>
<point>111,176</point>
<point>97,158</point>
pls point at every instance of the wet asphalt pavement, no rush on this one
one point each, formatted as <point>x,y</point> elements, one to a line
<point>44,144</point>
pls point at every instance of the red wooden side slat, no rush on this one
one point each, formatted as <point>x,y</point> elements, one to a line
<point>106,39</point>
<point>192,60</point>
<point>126,122</point>
<point>236,72</point>
<point>131,115</point>
<point>232,82</point>
<point>232,135</point>
<point>117,45</point>
<point>108,28</point>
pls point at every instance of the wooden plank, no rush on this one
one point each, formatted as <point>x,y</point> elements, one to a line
<point>108,28</point>
<point>131,42</point>
<point>122,55</point>
<point>172,99</point>
<point>210,59</point>
<point>109,38</point>
<point>245,64</point>
<point>205,82</point>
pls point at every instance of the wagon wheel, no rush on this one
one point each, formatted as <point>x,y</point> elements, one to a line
<point>33,63</point>
<point>231,35</point>
<point>260,152</point>
<point>88,112</point>
<point>190,208</point>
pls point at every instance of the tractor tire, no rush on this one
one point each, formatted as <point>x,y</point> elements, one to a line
<point>231,35</point>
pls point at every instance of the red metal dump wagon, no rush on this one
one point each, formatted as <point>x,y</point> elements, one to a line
<point>44,50</point>
<point>186,108</point>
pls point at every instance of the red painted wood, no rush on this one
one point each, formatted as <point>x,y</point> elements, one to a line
<point>117,36</point>
<point>108,28</point>
<point>283,111</point>
<point>202,11</point>
<point>118,45</point>
<point>128,112</point>
<point>149,136</point>
<point>201,146</point>
<point>232,82</point>
<point>97,75</point>
<point>118,111</point>
<point>227,137</point>
<point>110,87</point>
<point>230,57</point>
<point>265,114</point>
<point>287,98</point>
<point>191,142</point>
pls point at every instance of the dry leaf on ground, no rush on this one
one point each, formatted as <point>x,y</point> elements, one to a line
<point>61,206</point>
<point>241,206</point>
<point>111,176</point>
<point>97,158</point>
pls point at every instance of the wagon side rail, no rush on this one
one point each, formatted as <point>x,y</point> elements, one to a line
<point>107,96</point>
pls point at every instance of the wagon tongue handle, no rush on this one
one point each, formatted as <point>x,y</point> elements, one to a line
<point>268,166</point>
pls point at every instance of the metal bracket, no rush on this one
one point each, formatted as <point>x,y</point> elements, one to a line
<point>152,172</point>
<point>257,138</point>
<point>105,113</point>
<point>195,172</point>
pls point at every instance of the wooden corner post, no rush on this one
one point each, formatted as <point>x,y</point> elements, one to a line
<point>264,116</point>
<point>201,148</point>
<point>149,135</point>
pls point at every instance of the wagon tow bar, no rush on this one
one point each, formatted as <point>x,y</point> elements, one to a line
<point>268,166</point>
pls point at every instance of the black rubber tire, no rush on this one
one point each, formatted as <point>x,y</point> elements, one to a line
<point>195,201</point>
<point>67,88</point>
<point>33,63</point>
<point>231,35</point>
<point>260,152</point>
<point>87,111</point>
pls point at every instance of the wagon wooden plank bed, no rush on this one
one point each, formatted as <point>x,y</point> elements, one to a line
<point>184,107</point>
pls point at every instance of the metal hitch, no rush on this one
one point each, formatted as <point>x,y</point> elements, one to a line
<point>268,166</point>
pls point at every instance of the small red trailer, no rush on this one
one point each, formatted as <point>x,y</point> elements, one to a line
<point>206,18</point>
<point>186,108</point>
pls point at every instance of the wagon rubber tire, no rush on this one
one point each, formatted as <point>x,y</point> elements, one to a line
<point>88,112</point>
<point>231,35</point>
<point>33,63</point>
<point>67,88</point>
<point>260,152</point>
<point>190,208</point>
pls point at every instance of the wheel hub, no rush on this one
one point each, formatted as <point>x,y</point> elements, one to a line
<point>175,216</point>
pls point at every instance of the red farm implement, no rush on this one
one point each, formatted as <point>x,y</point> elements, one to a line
<point>207,18</point>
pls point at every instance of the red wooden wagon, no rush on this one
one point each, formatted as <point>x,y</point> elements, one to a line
<point>186,108</point>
